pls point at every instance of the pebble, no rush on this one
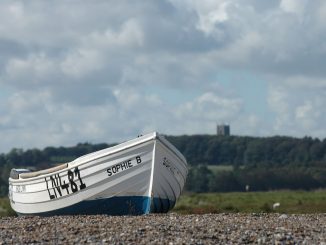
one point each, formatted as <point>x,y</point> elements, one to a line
<point>168,228</point>
<point>283,216</point>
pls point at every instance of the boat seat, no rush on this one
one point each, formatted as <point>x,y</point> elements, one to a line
<point>41,172</point>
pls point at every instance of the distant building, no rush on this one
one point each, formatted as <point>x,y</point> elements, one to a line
<point>223,130</point>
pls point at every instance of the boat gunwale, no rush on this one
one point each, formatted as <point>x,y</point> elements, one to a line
<point>114,149</point>
<point>70,165</point>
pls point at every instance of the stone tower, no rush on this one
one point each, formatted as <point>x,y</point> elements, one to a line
<point>223,130</point>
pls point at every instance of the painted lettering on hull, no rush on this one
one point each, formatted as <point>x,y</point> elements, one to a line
<point>167,163</point>
<point>58,187</point>
<point>123,166</point>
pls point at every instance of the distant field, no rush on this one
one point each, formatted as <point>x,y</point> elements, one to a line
<point>291,202</point>
<point>253,202</point>
<point>219,168</point>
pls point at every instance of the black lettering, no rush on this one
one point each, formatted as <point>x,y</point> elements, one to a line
<point>65,186</point>
<point>59,178</point>
<point>47,187</point>
<point>77,173</point>
<point>58,182</point>
<point>109,171</point>
<point>124,165</point>
<point>138,159</point>
<point>121,166</point>
<point>166,162</point>
<point>53,186</point>
<point>73,185</point>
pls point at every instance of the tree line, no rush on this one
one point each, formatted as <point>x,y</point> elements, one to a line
<point>202,179</point>
<point>240,150</point>
<point>261,163</point>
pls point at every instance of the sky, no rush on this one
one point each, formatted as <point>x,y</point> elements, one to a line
<point>106,71</point>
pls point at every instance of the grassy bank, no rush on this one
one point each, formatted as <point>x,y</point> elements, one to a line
<point>253,202</point>
<point>5,209</point>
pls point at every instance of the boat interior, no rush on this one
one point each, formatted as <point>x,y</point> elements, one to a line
<point>26,174</point>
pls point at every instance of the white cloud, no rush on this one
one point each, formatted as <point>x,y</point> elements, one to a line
<point>242,50</point>
<point>294,6</point>
<point>34,69</point>
<point>106,71</point>
<point>321,15</point>
<point>278,101</point>
<point>210,107</point>
<point>22,102</point>
<point>305,82</point>
<point>212,14</point>
<point>98,47</point>
<point>299,109</point>
<point>307,114</point>
<point>81,62</point>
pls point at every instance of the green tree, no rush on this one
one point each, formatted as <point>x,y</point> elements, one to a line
<point>198,179</point>
<point>224,181</point>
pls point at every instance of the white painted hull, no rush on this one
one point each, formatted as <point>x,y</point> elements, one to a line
<point>140,176</point>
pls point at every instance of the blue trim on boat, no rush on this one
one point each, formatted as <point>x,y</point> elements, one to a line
<point>125,205</point>
<point>161,205</point>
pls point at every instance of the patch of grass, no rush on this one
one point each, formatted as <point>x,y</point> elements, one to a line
<point>292,202</point>
<point>253,202</point>
<point>5,208</point>
<point>220,168</point>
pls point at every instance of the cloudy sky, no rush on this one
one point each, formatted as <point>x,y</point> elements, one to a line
<point>105,71</point>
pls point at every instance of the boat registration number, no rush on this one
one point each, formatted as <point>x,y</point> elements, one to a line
<point>58,187</point>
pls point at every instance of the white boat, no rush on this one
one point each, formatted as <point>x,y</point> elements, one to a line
<point>140,176</point>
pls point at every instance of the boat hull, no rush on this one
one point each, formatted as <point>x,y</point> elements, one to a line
<point>142,176</point>
<point>124,205</point>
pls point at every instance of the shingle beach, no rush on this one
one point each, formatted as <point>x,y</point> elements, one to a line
<point>166,229</point>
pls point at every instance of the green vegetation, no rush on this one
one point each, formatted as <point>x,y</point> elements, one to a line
<point>258,178</point>
<point>239,150</point>
<point>224,164</point>
<point>253,202</point>
<point>5,209</point>
<point>216,163</point>
<point>220,168</point>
